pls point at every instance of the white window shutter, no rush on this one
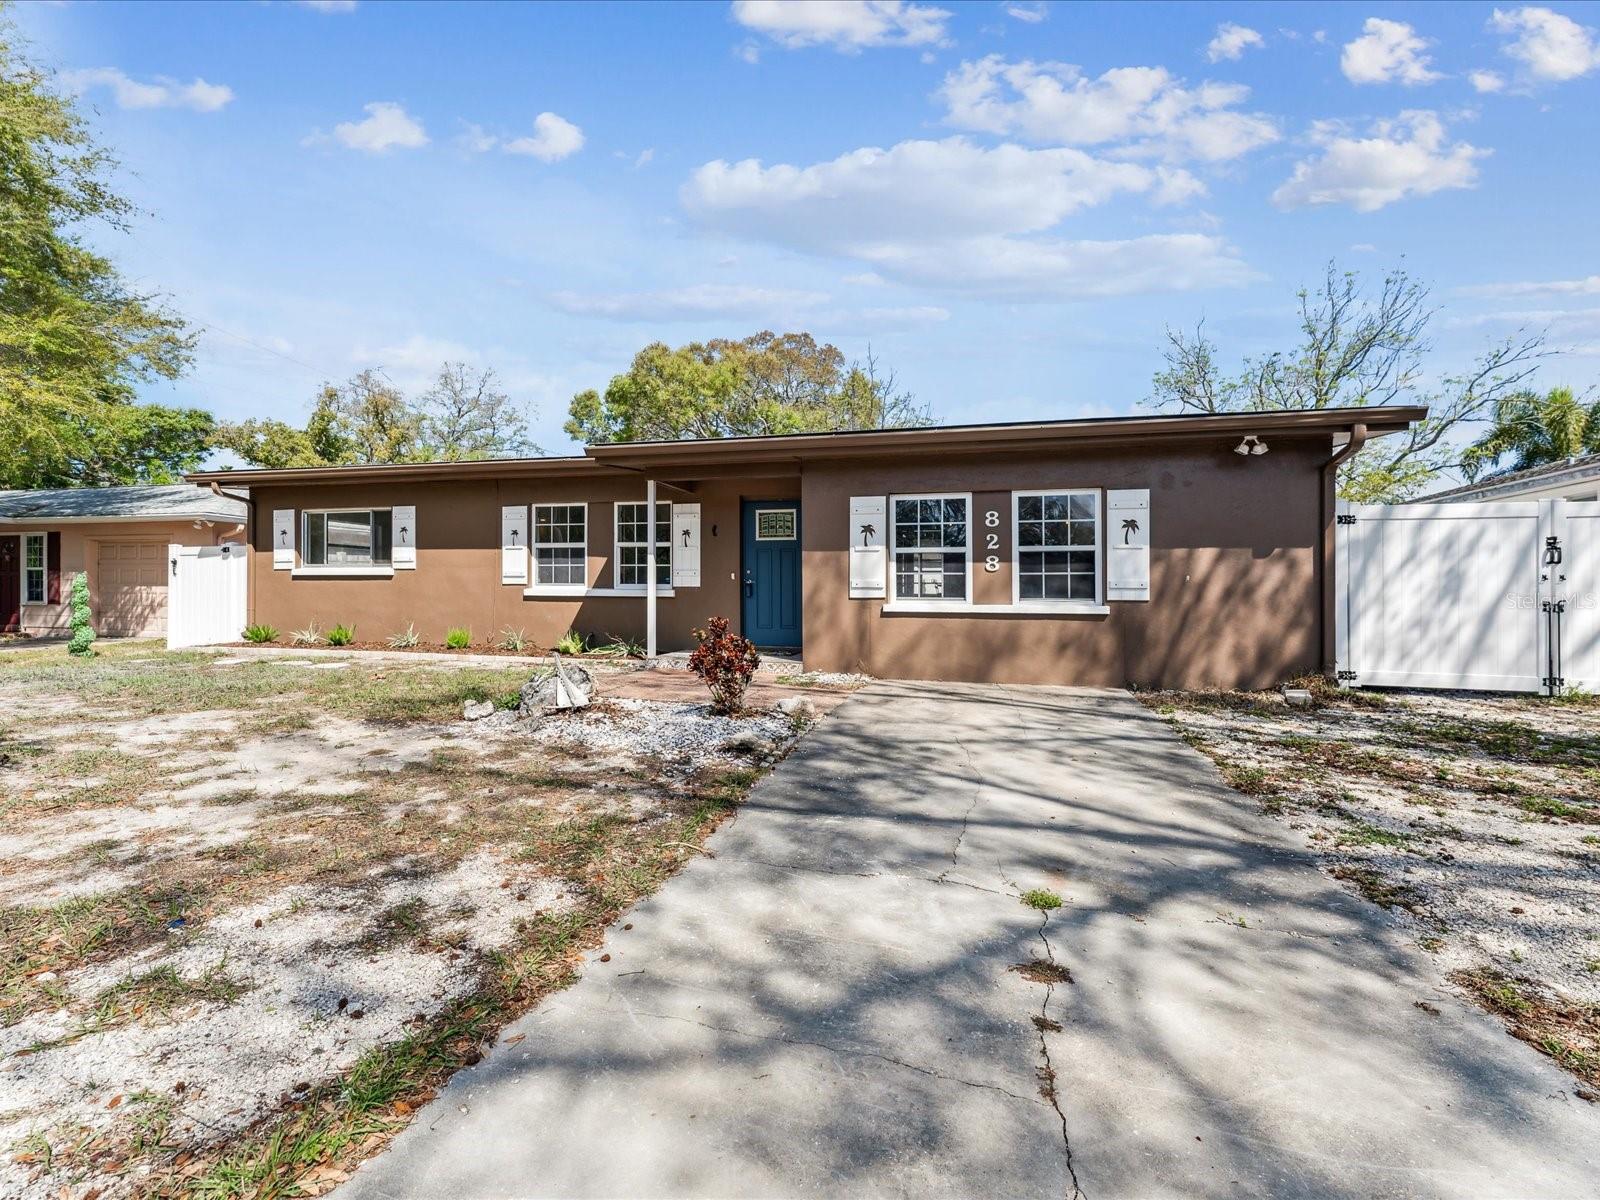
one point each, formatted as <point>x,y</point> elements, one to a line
<point>403,528</point>
<point>1128,544</point>
<point>869,529</point>
<point>685,545</point>
<point>514,544</point>
<point>283,539</point>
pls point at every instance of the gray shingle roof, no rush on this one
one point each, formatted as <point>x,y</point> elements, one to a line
<point>179,501</point>
<point>1568,470</point>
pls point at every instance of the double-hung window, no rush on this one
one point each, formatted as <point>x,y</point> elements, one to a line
<point>33,568</point>
<point>633,544</point>
<point>1058,546</point>
<point>347,538</point>
<point>560,544</point>
<point>930,539</point>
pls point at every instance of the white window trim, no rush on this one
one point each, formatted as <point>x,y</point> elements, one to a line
<point>573,590</point>
<point>305,568</point>
<point>639,589</point>
<point>378,572</point>
<point>535,588</point>
<point>1028,608</point>
<point>44,557</point>
<point>894,549</point>
<point>1098,603</point>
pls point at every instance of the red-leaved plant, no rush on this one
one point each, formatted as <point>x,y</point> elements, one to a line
<point>726,662</point>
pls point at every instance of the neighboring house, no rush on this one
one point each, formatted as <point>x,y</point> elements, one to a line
<point>1179,551</point>
<point>119,535</point>
<point>1570,479</point>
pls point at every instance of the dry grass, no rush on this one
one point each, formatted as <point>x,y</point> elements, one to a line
<point>601,832</point>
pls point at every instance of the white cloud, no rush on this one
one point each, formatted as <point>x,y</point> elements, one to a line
<point>645,157</point>
<point>553,139</point>
<point>1232,41</point>
<point>1030,12</point>
<point>329,6</point>
<point>1551,48</point>
<point>386,126</point>
<point>161,92</point>
<point>690,303</point>
<point>1363,248</point>
<point>846,25</point>
<point>1401,158</point>
<point>907,317</point>
<point>1487,81</point>
<point>1144,109</point>
<point>1589,285</point>
<point>475,139</point>
<point>952,214</point>
<point>864,279</point>
<point>1387,52</point>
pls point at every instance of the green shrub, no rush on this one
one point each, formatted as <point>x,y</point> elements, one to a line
<point>617,647</point>
<point>458,638</point>
<point>1041,899</point>
<point>405,639</point>
<point>572,642</point>
<point>82,619</point>
<point>260,633</point>
<point>311,635</point>
<point>515,640</point>
<point>341,635</point>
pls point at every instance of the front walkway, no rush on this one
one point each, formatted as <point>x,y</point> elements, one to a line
<point>831,1006</point>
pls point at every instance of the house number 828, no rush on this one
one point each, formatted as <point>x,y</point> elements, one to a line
<point>991,540</point>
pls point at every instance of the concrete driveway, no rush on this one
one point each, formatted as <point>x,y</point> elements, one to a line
<point>831,1006</point>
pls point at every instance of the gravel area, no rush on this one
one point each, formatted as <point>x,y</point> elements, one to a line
<point>320,988</point>
<point>1474,819</point>
<point>684,738</point>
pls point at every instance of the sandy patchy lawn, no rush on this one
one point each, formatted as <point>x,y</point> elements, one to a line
<point>1473,820</point>
<point>252,913</point>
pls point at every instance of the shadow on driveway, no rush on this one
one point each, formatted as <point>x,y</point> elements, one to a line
<point>831,1005</point>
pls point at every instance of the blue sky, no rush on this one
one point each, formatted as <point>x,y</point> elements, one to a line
<point>1007,201</point>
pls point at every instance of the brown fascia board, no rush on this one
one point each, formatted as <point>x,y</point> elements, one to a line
<point>485,468</point>
<point>606,460</point>
<point>1006,437</point>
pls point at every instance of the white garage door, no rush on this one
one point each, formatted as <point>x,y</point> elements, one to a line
<point>131,586</point>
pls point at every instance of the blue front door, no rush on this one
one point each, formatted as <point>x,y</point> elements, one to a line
<point>770,613</point>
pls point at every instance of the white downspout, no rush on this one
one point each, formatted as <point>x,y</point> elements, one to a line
<point>650,572</point>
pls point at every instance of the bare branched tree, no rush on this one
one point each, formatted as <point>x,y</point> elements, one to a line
<point>1356,350</point>
<point>465,415</point>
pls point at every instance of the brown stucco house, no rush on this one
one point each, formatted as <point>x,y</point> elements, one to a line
<point>119,536</point>
<point>1178,551</point>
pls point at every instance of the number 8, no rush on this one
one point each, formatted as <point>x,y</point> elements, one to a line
<point>991,518</point>
<point>992,563</point>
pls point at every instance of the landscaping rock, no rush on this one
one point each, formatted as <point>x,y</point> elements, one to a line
<point>560,686</point>
<point>797,708</point>
<point>750,743</point>
<point>477,710</point>
<point>1297,697</point>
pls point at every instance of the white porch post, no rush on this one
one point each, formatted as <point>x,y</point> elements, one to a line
<point>650,572</point>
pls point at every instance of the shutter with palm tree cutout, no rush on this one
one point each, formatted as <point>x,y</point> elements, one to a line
<point>869,529</point>
<point>1127,539</point>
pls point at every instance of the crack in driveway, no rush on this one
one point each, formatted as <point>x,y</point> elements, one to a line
<point>1048,1073</point>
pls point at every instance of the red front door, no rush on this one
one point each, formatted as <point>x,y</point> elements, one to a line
<point>10,584</point>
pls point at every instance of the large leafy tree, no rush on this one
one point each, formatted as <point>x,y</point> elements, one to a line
<point>1531,430</point>
<point>367,419</point>
<point>763,384</point>
<point>1355,349</point>
<point>75,339</point>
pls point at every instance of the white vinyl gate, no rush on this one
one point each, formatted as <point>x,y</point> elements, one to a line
<point>206,588</point>
<point>1485,597</point>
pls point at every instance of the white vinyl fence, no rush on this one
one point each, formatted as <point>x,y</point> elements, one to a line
<point>1486,597</point>
<point>206,588</point>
